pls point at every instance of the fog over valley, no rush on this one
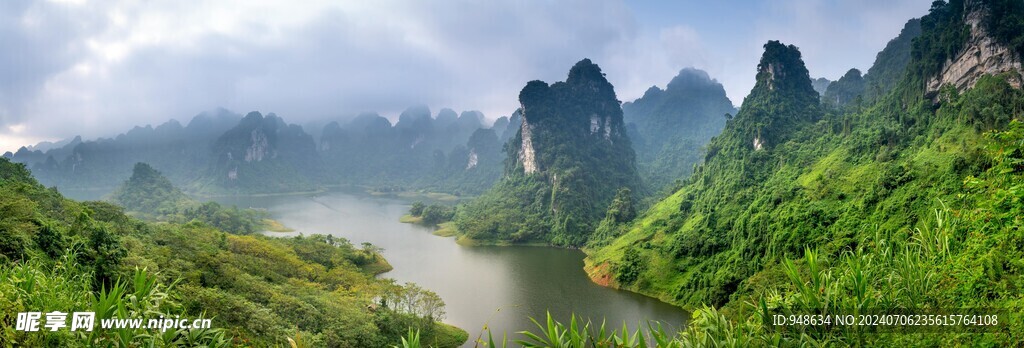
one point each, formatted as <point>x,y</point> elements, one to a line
<point>464,174</point>
<point>97,69</point>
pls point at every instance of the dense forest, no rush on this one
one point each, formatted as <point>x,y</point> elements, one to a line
<point>62,255</point>
<point>669,127</point>
<point>895,191</point>
<point>221,153</point>
<point>562,168</point>
<point>910,202</point>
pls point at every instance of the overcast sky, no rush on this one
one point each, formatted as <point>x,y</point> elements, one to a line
<point>97,68</point>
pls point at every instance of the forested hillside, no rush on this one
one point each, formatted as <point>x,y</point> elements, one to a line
<point>564,166</point>
<point>224,153</point>
<point>449,153</point>
<point>183,152</point>
<point>669,127</point>
<point>911,202</point>
<point>259,291</point>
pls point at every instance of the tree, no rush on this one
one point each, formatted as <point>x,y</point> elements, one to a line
<point>106,252</point>
<point>435,214</point>
<point>417,209</point>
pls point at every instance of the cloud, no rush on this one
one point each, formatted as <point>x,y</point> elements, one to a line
<point>152,61</point>
<point>99,68</point>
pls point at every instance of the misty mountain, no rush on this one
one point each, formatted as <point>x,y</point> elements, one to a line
<point>891,63</point>
<point>820,85</point>
<point>669,128</point>
<point>257,153</point>
<point>264,154</point>
<point>847,89</point>
<point>105,162</point>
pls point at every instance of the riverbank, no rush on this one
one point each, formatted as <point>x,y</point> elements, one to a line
<point>474,282</point>
<point>257,195</point>
<point>448,229</point>
<point>378,267</point>
<point>600,272</point>
<point>446,336</point>
<point>272,225</point>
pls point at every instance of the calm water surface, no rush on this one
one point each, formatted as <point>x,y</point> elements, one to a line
<point>498,286</point>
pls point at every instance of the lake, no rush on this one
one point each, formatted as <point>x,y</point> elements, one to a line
<point>501,287</point>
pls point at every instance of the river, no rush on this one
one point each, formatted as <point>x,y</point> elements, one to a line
<point>501,287</point>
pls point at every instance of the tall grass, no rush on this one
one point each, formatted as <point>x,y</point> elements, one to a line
<point>885,272</point>
<point>64,285</point>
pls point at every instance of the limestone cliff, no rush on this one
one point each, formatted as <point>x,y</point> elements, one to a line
<point>570,156</point>
<point>981,54</point>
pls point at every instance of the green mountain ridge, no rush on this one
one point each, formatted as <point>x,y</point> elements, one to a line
<point>669,128</point>
<point>264,154</point>
<point>562,169</point>
<point>804,209</point>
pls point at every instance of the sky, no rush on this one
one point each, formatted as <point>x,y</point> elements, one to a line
<point>99,68</point>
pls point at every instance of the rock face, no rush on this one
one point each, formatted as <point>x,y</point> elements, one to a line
<point>581,110</point>
<point>981,55</point>
<point>527,156</point>
<point>264,152</point>
<point>782,99</point>
<point>569,157</point>
<point>258,149</point>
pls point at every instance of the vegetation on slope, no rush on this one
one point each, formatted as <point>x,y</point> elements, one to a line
<point>669,128</point>
<point>902,205</point>
<point>151,196</point>
<point>564,166</point>
<point>62,255</point>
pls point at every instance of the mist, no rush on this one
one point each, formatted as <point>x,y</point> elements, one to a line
<point>98,69</point>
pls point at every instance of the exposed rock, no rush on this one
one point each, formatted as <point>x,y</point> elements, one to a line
<point>472,159</point>
<point>981,55</point>
<point>258,148</point>
<point>527,156</point>
<point>608,128</point>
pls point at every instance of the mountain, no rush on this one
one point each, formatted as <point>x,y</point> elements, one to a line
<point>563,167</point>
<point>105,162</point>
<point>264,154</point>
<point>848,89</point>
<point>990,45</point>
<point>906,204</point>
<point>820,84</point>
<point>420,151</point>
<point>891,63</point>
<point>148,191</point>
<point>673,125</point>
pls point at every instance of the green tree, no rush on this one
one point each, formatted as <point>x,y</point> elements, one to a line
<point>417,209</point>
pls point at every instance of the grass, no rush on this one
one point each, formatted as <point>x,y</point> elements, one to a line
<point>446,229</point>
<point>447,336</point>
<point>409,219</point>
<point>415,195</point>
<point>275,226</point>
<point>380,265</point>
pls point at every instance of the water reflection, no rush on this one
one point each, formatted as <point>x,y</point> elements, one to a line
<point>498,286</point>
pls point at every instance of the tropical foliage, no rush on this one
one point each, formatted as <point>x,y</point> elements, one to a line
<point>63,255</point>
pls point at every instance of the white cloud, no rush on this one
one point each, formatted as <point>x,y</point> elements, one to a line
<point>99,68</point>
